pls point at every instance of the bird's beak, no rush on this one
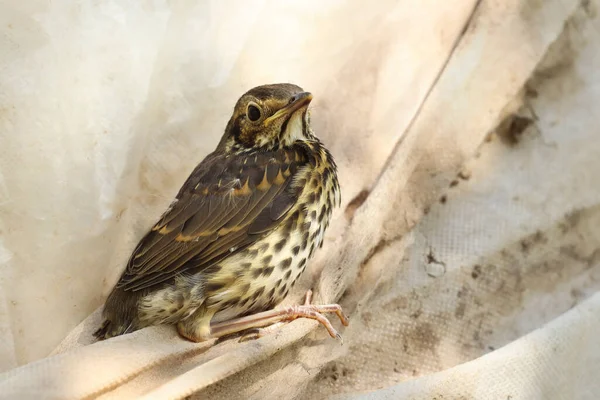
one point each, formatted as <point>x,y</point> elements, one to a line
<point>297,102</point>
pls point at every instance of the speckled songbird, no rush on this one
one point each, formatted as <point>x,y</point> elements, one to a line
<point>240,231</point>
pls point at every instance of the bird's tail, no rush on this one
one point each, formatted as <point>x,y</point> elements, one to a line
<point>101,333</point>
<point>109,329</point>
<point>120,314</point>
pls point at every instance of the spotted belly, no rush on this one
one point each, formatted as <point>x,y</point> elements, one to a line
<point>260,277</point>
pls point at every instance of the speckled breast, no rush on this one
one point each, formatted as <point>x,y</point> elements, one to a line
<point>261,276</point>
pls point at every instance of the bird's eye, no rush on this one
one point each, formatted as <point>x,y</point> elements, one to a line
<point>253,113</point>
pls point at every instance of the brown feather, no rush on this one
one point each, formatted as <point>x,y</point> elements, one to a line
<point>213,217</point>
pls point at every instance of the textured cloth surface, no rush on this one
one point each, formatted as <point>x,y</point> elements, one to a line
<point>467,248</point>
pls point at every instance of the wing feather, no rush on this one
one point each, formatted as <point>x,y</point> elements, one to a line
<point>225,205</point>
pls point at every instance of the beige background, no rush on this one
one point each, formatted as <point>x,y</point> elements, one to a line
<point>105,108</point>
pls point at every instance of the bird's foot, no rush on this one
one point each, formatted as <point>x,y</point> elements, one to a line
<point>268,321</point>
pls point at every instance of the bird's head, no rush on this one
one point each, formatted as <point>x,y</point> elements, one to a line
<point>268,117</point>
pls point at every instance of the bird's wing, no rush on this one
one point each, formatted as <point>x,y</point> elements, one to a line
<point>226,204</point>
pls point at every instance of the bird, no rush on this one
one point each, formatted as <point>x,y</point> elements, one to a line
<point>240,231</point>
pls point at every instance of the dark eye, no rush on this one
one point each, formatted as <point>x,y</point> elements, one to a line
<point>253,113</point>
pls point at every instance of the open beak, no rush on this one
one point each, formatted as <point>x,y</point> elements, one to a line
<point>297,102</point>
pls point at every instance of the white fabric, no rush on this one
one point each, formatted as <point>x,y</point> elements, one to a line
<point>550,363</point>
<point>106,107</point>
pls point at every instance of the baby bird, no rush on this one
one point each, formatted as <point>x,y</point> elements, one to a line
<point>239,233</point>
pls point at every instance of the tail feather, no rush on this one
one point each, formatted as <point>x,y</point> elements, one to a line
<point>120,313</point>
<point>100,334</point>
<point>108,329</point>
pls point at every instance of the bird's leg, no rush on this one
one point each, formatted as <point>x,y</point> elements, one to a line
<point>197,326</point>
<point>274,318</point>
<point>256,333</point>
<point>308,297</point>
